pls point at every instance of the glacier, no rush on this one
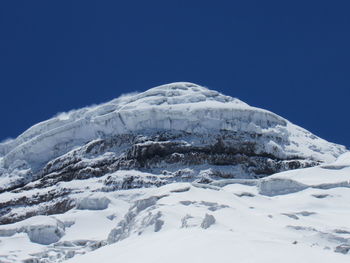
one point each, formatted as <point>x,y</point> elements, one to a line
<point>177,106</point>
<point>185,221</point>
<point>187,112</point>
<point>177,173</point>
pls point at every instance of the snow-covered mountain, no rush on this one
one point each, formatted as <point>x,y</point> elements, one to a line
<point>178,172</point>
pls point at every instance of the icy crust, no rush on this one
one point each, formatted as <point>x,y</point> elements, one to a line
<point>174,107</point>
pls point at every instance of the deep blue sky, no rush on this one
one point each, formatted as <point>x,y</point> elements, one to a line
<point>290,57</point>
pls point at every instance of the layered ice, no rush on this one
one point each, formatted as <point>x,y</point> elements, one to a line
<point>204,209</point>
<point>173,107</point>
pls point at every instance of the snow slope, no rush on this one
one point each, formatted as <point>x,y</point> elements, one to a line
<point>234,221</point>
<point>164,129</point>
<point>199,246</point>
<point>175,173</point>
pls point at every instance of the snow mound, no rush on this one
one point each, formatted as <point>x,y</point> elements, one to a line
<point>199,246</point>
<point>342,161</point>
<point>333,175</point>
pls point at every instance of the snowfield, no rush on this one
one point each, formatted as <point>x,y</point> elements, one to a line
<point>183,222</point>
<point>178,173</point>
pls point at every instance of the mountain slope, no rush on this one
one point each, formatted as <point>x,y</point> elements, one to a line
<point>179,132</point>
<point>176,157</point>
<point>184,107</point>
<point>240,220</point>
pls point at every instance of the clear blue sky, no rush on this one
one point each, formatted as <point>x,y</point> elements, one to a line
<point>290,57</point>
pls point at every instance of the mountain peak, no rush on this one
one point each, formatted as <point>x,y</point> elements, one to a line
<point>181,110</point>
<point>175,93</point>
<point>177,156</point>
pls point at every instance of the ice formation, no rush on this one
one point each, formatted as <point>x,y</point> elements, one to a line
<point>173,107</point>
<point>178,173</point>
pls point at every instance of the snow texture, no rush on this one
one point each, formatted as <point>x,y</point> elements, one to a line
<point>307,223</point>
<point>178,106</point>
<point>78,171</point>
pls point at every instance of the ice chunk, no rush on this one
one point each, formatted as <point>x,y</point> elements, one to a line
<point>279,186</point>
<point>45,234</point>
<point>93,203</point>
<point>40,229</point>
<point>208,221</point>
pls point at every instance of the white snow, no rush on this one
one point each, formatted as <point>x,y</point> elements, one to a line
<point>200,246</point>
<point>183,222</point>
<point>177,106</point>
<point>294,216</point>
<point>303,226</point>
